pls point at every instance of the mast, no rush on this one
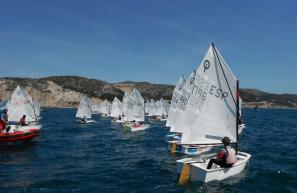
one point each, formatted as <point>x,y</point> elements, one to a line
<point>237,114</point>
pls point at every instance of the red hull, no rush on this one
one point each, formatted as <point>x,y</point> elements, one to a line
<point>19,135</point>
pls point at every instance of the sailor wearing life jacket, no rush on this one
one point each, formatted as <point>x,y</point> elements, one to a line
<point>225,158</point>
<point>3,120</point>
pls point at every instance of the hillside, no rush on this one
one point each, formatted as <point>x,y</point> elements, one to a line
<point>254,97</point>
<point>66,91</point>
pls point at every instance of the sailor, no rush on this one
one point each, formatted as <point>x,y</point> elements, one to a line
<point>240,121</point>
<point>135,124</point>
<point>120,117</point>
<point>226,157</point>
<point>23,121</point>
<point>4,119</point>
<point>84,120</point>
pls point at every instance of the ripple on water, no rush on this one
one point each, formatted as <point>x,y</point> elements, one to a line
<point>102,157</point>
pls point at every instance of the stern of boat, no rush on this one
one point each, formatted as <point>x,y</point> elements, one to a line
<point>199,172</point>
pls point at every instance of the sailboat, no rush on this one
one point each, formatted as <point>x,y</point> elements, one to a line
<point>20,104</point>
<point>174,136</point>
<point>162,110</point>
<point>212,112</point>
<point>84,111</point>
<point>134,111</point>
<point>177,124</point>
<point>104,108</point>
<point>116,109</point>
<point>153,109</point>
<point>173,107</point>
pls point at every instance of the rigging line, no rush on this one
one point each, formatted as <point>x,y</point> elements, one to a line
<point>215,51</point>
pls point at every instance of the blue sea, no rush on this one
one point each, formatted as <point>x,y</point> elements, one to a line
<point>102,157</point>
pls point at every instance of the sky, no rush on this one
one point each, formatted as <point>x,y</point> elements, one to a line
<point>155,41</point>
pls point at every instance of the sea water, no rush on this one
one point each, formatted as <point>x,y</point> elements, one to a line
<point>103,157</point>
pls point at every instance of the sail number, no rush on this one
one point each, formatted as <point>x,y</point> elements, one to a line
<point>217,92</point>
<point>20,102</point>
<point>202,87</point>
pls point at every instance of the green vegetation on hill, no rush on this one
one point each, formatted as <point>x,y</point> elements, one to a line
<point>104,90</point>
<point>257,96</point>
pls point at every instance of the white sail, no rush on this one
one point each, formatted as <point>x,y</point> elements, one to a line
<point>125,102</point>
<point>84,108</point>
<point>161,108</point>
<point>181,103</point>
<point>36,106</point>
<point>95,108</point>
<point>134,109</point>
<point>20,104</point>
<point>104,107</point>
<point>210,112</point>
<point>147,107</point>
<point>116,108</point>
<point>175,97</point>
<point>153,108</point>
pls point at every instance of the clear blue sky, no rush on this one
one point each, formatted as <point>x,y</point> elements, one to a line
<point>155,40</point>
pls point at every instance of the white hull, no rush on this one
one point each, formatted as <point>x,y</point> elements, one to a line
<point>188,149</point>
<point>198,171</point>
<point>120,121</point>
<point>85,122</point>
<point>140,128</point>
<point>14,128</point>
<point>172,137</point>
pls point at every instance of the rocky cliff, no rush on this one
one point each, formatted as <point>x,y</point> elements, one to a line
<point>66,91</point>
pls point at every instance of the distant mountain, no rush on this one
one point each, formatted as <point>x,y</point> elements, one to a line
<point>148,90</point>
<point>254,97</point>
<point>66,91</point>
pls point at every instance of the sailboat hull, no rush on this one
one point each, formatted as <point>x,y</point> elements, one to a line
<point>188,149</point>
<point>85,122</point>
<point>132,128</point>
<point>140,127</point>
<point>198,171</point>
<point>20,133</point>
<point>120,121</point>
<point>172,137</point>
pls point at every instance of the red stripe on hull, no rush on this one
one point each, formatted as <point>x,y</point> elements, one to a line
<point>19,136</point>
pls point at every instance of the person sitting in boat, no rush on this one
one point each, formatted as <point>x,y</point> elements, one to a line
<point>135,124</point>
<point>240,121</point>
<point>23,121</point>
<point>83,120</point>
<point>120,117</point>
<point>226,157</point>
<point>4,119</point>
